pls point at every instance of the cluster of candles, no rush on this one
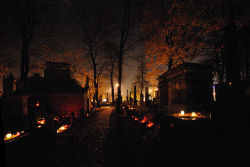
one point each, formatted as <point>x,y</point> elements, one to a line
<point>144,120</point>
<point>41,122</point>
<point>62,128</point>
<point>10,136</point>
<point>59,130</point>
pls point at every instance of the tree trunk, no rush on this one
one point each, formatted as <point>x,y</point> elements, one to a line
<point>95,99</point>
<point>219,68</point>
<point>112,86</point>
<point>24,71</point>
<point>119,100</point>
<point>96,86</point>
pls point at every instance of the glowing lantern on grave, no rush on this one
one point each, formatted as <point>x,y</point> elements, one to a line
<point>150,124</point>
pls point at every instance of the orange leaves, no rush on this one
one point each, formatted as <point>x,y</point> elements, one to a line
<point>181,35</point>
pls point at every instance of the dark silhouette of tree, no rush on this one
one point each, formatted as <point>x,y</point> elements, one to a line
<point>191,29</point>
<point>111,65</point>
<point>92,25</point>
<point>140,78</point>
<point>128,33</point>
<point>24,20</point>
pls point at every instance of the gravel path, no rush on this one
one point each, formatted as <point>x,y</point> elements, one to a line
<point>80,146</point>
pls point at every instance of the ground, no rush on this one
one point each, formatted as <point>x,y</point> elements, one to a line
<point>109,139</point>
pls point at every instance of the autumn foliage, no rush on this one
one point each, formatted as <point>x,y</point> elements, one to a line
<point>186,31</point>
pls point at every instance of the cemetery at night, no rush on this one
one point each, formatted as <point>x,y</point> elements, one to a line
<point>124,83</point>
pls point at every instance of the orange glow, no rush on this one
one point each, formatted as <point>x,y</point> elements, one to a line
<point>182,113</point>
<point>37,104</point>
<point>136,119</point>
<point>150,124</point>
<point>62,128</point>
<point>41,122</point>
<point>87,115</point>
<point>189,116</point>
<point>194,114</point>
<point>143,120</point>
<point>10,136</point>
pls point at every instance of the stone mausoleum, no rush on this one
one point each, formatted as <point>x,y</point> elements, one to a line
<point>57,92</point>
<point>185,87</point>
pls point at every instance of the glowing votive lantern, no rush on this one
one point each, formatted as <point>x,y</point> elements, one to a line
<point>8,135</point>
<point>193,114</point>
<point>182,112</point>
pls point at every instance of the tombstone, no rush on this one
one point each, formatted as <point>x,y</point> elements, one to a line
<point>141,99</point>
<point>8,84</point>
<point>127,97</point>
<point>135,100</point>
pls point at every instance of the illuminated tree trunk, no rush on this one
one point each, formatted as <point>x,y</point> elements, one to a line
<point>119,100</point>
<point>112,85</point>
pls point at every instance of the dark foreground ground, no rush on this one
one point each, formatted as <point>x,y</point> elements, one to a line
<point>109,139</point>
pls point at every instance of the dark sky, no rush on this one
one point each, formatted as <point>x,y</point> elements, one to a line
<point>63,23</point>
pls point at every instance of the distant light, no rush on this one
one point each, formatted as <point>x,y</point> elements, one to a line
<point>143,120</point>
<point>41,122</point>
<point>194,114</point>
<point>37,104</point>
<point>8,135</point>
<point>214,93</point>
<point>230,83</point>
<point>104,100</point>
<point>117,85</point>
<point>150,124</point>
<point>62,128</point>
<point>182,112</point>
<point>150,90</point>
